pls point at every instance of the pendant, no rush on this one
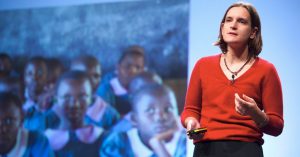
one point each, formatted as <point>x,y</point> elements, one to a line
<point>232,76</point>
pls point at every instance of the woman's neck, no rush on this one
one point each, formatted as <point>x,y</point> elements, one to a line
<point>237,54</point>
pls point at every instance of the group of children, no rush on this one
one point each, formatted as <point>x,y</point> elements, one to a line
<point>55,111</point>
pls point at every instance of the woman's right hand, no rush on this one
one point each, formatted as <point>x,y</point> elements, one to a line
<point>192,123</point>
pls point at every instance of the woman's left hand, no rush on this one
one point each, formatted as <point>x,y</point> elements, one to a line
<point>245,106</point>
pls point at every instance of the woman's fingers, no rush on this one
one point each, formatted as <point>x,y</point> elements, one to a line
<point>241,105</point>
<point>248,99</point>
<point>192,123</point>
<point>189,125</point>
<point>239,99</point>
<point>240,110</point>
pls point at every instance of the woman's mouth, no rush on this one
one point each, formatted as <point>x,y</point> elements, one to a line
<point>232,33</point>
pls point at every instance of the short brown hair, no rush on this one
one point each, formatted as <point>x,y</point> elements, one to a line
<point>254,45</point>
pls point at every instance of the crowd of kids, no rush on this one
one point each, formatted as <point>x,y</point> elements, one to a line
<point>51,108</point>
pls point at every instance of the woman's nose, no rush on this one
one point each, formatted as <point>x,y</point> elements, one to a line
<point>233,25</point>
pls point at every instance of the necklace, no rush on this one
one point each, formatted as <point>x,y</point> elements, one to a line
<point>235,73</point>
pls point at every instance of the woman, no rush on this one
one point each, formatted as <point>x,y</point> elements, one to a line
<point>236,95</point>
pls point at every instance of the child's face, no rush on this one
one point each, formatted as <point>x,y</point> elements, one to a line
<point>93,72</point>
<point>10,123</point>
<point>35,76</point>
<point>73,97</point>
<point>155,113</point>
<point>130,67</point>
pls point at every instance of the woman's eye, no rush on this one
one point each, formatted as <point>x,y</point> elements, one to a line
<point>228,19</point>
<point>243,21</point>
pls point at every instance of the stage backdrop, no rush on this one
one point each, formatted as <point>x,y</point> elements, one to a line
<point>102,28</point>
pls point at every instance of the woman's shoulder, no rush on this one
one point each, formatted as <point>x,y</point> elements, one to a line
<point>265,67</point>
<point>210,57</point>
<point>207,60</point>
<point>265,64</point>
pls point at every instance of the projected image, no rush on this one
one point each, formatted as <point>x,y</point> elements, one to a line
<point>102,79</point>
<point>103,30</point>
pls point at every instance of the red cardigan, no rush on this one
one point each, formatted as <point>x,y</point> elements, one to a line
<point>210,99</point>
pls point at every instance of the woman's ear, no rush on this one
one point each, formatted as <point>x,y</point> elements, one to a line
<point>253,33</point>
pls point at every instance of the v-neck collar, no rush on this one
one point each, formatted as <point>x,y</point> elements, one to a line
<point>252,67</point>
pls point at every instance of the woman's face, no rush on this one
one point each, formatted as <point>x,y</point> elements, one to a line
<point>236,28</point>
<point>10,123</point>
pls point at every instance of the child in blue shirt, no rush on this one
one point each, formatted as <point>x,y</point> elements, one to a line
<point>115,90</point>
<point>16,141</point>
<point>138,82</point>
<point>99,112</point>
<point>37,114</point>
<point>157,132</point>
<point>74,137</point>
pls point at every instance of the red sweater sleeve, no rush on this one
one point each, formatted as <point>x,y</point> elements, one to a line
<point>192,107</point>
<point>272,101</point>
